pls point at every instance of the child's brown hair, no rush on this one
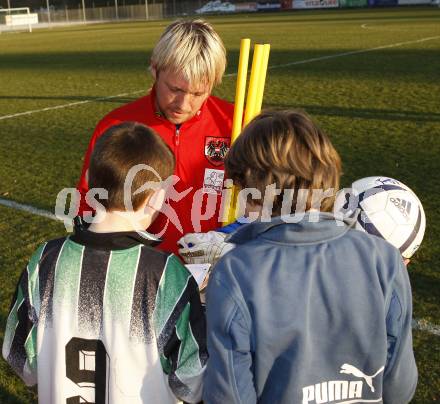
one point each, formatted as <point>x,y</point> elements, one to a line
<point>117,151</point>
<point>287,149</point>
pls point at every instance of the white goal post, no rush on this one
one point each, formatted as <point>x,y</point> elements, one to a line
<point>17,18</point>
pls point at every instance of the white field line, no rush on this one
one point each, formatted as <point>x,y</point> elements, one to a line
<point>71,104</point>
<point>298,62</point>
<point>27,208</point>
<point>356,52</point>
<point>384,28</point>
<point>423,325</point>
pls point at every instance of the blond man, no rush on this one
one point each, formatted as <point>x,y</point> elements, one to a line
<point>187,62</point>
<point>304,309</point>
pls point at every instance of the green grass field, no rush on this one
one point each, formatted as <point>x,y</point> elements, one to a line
<point>380,104</point>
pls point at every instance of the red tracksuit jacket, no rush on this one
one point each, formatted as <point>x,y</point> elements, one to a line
<point>199,146</point>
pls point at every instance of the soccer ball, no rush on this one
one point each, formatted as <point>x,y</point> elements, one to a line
<point>386,208</point>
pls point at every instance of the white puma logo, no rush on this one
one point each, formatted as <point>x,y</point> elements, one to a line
<point>350,369</point>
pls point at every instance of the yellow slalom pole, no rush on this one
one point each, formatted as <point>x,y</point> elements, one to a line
<point>240,92</point>
<point>253,84</point>
<point>262,78</point>
<point>240,89</point>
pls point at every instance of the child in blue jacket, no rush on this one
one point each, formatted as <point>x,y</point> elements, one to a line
<point>305,309</point>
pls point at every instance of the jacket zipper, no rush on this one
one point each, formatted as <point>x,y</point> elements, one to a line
<point>177,142</point>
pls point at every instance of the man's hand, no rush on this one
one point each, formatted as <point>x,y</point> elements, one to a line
<point>203,248</point>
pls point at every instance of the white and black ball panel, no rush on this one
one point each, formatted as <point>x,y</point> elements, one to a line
<point>382,182</point>
<point>386,208</point>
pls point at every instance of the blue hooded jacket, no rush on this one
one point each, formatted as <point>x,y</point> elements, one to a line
<point>309,312</point>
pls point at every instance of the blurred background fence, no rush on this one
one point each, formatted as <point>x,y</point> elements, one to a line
<point>104,13</point>
<point>66,11</point>
<point>121,11</point>
<point>76,11</point>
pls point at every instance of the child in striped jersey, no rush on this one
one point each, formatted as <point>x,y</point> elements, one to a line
<point>101,316</point>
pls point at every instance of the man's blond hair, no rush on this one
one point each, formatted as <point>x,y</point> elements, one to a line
<point>192,49</point>
<point>287,149</point>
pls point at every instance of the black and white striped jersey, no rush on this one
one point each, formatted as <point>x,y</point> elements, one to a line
<point>106,318</point>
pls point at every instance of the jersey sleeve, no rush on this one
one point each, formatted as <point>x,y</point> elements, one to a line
<point>180,329</point>
<point>400,377</point>
<point>20,341</point>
